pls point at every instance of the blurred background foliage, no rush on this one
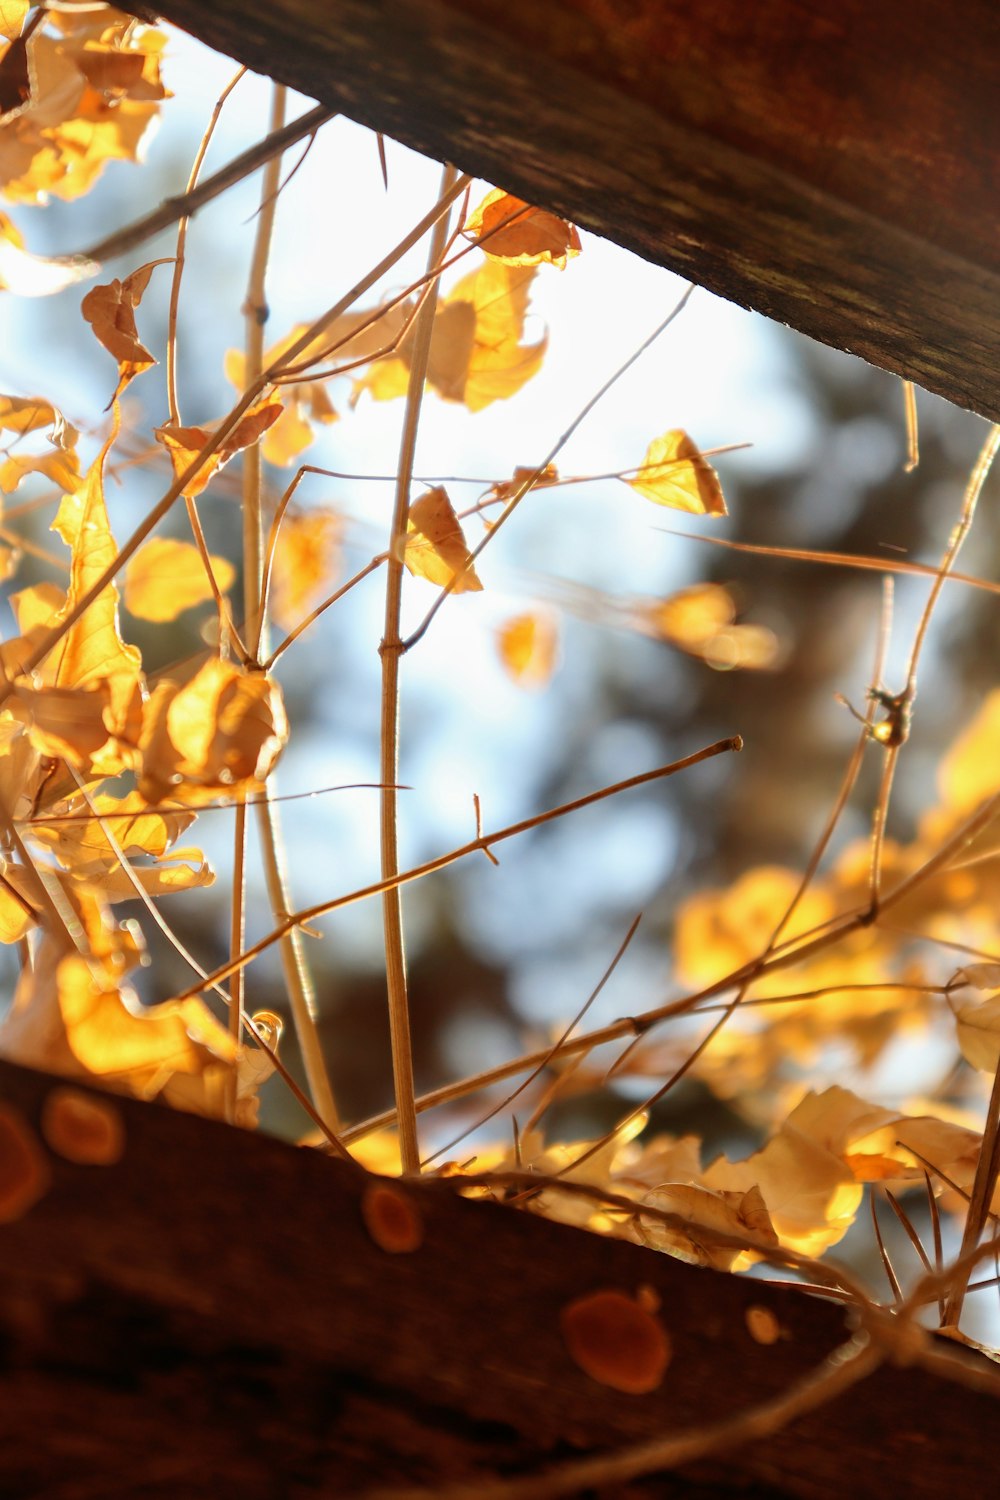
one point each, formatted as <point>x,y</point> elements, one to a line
<point>501,957</point>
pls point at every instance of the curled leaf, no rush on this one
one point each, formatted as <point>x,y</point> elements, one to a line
<point>221,733</point>
<point>184,444</point>
<point>435,547</point>
<point>510,230</point>
<point>110,311</point>
<point>675,472</point>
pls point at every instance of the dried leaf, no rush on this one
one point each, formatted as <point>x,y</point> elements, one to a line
<point>22,414</point>
<point>95,91</point>
<point>476,353</point>
<point>435,546</point>
<point>15,76</point>
<point>185,443</point>
<point>510,230</point>
<point>110,311</point>
<point>69,1020</point>
<point>307,403</point>
<point>979,1034</point>
<point>676,473</point>
<point>92,651</point>
<point>528,646</point>
<point>707,1214</point>
<point>61,466</point>
<point>166,577</point>
<point>219,734</point>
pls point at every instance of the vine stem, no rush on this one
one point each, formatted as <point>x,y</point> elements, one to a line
<point>298,982</point>
<point>390,651</point>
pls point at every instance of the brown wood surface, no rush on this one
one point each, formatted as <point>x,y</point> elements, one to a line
<point>836,167</point>
<point>210,1317</point>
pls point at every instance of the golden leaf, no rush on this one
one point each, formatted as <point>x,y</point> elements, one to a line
<point>96,89</point>
<point>979,1033</point>
<point>22,414</point>
<point>92,650</point>
<point>306,561</point>
<point>435,546</point>
<point>510,230</point>
<point>219,734</point>
<point>66,723</point>
<point>166,577</point>
<point>67,1019</point>
<point>707,1214</point>
<point>676,473</point>
<point>12,14</point>
<point>719,931</point>
<point>110,311</point>
<point>185,443</point>
<point>28,275</point>
<point>76,837</point>
<point>528,646</point>
<point>61,466</point>
<point>969,772</point>
<point>476,353</point>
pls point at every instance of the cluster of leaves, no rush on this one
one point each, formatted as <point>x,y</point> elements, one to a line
<point>102,769</point>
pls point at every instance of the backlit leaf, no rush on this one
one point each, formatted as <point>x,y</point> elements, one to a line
<point>166,577</point>
<point>435,546</point>
<point>92,650</point>
<point>979,1033</point>
<point>61,466</point>
<point>12,14</point>
<point>221,733</point>
<point>675,473</point>
<point>510,230</point>
<point>185,443</point>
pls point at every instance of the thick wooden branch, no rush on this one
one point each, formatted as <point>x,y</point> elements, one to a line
<point>836,168</point>
<point>210,1316</point>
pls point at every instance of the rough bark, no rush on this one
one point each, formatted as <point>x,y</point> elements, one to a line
<point>211,1317</point>
<point>834,168</point>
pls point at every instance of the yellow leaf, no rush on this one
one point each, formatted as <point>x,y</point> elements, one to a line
<point>70,1021</point>
<point>435,546</point>
<point>810,1193</point>
<point>970,772</point>
<point>22,414</point>
<point>719,931</point>
<point>28,275</point>
<point>692,616</point>
<point>12,14</point>
<point>66,723</point>
<point>707,1214</point>
<point>77,838</point>
<point>510,230</point>
<point>166,577</point>
<point>675,473</point>
<point>185,443</point>
<point>476,353</point>
<point>96,90</point>
<point>92,651</point>
<point>110,311</point>
<point>979,1033</point>
<point>528,645</point>
<point>61,466</point>
<point>17,915</point>
<point>305,564</point>
<point>219,734</point>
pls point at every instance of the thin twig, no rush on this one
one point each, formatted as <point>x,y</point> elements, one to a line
<point>390,652</point>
